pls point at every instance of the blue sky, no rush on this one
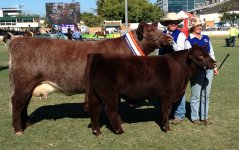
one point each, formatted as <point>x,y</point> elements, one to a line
<point>38,6</point>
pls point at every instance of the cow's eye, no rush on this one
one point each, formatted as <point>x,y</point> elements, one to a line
<point>200,57</point>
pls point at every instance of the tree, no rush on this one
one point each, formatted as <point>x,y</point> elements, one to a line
<point>91,20</point>
<point>227,14</point>
<point>137,10</point>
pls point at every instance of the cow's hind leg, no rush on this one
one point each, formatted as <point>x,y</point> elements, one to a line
<point>111,108</point>
<point>20,102</point>
<point>94,110</point>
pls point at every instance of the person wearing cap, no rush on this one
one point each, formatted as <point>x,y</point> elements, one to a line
<point>171,21</point>
<point>200,84</point>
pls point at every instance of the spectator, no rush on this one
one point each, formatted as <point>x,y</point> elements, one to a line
<point>69,33</point>
<point>233,33</point>
<point>171,22</point>
<point>77,34</point>
<point>202,81</point>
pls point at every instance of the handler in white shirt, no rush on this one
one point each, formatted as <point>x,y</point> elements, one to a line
<point>171,21</point>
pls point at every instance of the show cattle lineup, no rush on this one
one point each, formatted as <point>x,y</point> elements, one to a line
<point>39,64</point>
<point>106,70</point>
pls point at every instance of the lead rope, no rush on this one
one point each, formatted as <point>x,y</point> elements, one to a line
<point>205,96</point>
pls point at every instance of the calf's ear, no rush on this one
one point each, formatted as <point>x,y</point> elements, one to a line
<point>140,30</point>
<point>155,24</point>
<point>190,57</point>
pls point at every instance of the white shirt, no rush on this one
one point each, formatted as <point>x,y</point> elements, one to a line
<point>188,45</point>
<point>179,44</point>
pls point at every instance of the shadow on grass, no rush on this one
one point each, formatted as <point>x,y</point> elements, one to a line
<point>59,111</point>
<point>149,112</point>
<point>3,68</point>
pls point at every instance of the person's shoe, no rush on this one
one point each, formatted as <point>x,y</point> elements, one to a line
<point>176,121</point>
<point>206,122</point>
<point>197,122</point>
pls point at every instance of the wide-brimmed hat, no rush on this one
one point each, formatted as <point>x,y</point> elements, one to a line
<point>194,21</point>
<point>171,18</point>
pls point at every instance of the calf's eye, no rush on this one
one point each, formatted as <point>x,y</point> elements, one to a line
<point>200,57</point>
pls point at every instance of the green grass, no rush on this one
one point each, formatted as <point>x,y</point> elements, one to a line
<point>60,123</point>
<point>92,36</point>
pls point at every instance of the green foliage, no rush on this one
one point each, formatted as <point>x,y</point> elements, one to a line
<point>138,10</point>
<point>230,18</point>
<point>60,122</point>
<point>91,20</point>
<point>227,16</point>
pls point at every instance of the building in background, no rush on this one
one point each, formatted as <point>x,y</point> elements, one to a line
<point>186,5</point>
<point>163,5</point>
<point>12,18</point>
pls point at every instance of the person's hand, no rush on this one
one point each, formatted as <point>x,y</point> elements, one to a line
<point>215,71</point>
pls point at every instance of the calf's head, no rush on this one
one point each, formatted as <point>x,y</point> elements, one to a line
<point>151,37</point>
<point>201,58</point>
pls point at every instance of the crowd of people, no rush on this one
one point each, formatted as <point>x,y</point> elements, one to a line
<point>202,81</point>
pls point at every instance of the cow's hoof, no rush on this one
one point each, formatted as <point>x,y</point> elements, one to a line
<point>169,131</point>
<point>119,131</point>
<point>96,132</point>
<point>122,123</point>
<point>19,133</point>
<point>166,130</point>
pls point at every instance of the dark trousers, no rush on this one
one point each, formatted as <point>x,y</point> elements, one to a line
<point>232,41</point>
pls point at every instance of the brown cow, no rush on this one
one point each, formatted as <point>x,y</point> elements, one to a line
<point>48,65</point>
<point>110,77</point>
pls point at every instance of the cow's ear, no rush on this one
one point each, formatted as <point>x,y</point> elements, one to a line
<point>190,57</point>
<point>155,24</point>
<point>140,30</point>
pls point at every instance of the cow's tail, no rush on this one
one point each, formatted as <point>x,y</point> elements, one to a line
<point>87,79</point>
<point>12,46</point>
<point>11,82</point>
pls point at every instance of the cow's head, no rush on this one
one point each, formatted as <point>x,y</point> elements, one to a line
<point>201,58</point>
<point>151,37</point>
<point>7,37</point>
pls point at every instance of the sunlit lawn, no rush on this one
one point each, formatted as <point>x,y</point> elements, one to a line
<point>92,36</point>
<point>60,122</point>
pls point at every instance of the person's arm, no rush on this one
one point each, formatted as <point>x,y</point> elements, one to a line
<point>187,45</point>
<point>212,51</point>
<point>212,54</point>
<point>180,42</point>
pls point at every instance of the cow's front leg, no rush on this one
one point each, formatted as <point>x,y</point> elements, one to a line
<point>165,110</point>
<point>111,108</point>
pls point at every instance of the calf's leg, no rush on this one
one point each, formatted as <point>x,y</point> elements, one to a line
<point>111,108</point>
<point>165,110</point>
<point>94,110</point>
